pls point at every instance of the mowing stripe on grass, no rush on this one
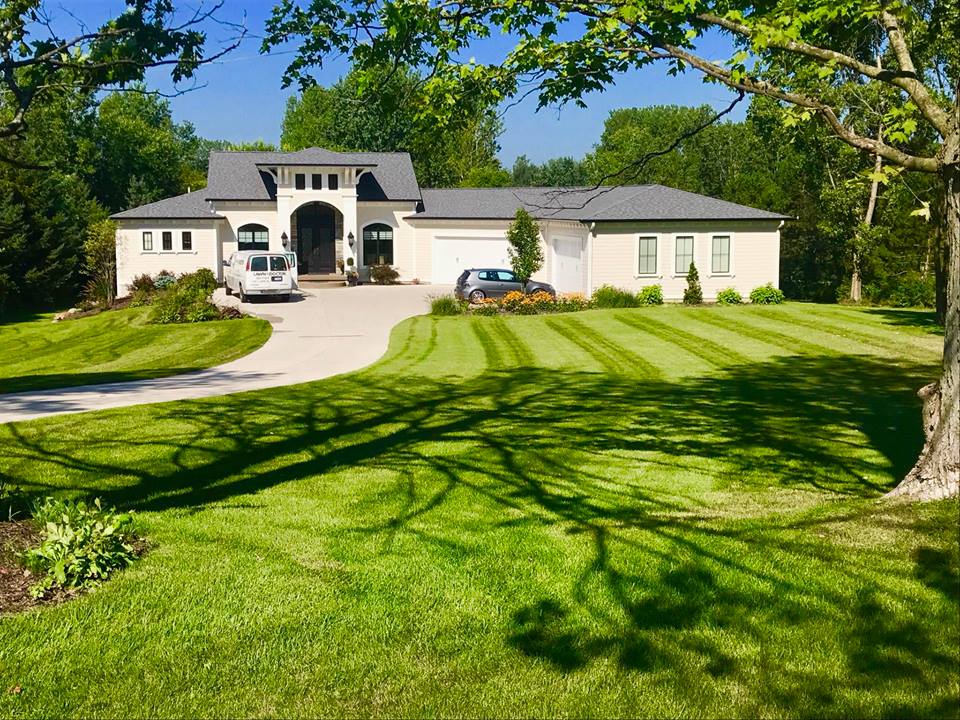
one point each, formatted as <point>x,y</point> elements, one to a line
<point>710,352</point>
<point>741,324</point>
<point>517,350</point>
<point>850,333</point>
<point>502,347</point>
<point>611,356</point>
<point>490,350</point>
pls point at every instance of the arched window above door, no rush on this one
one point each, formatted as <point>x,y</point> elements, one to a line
<point>253,237</point>
<point>378,244</point>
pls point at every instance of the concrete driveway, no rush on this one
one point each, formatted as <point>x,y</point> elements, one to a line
<point>323,331</point>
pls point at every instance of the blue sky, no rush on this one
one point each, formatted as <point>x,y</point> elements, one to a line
<point>240,98</point>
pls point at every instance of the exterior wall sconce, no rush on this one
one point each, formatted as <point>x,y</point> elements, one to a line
<point>350,238</point>
<point>284,239</point>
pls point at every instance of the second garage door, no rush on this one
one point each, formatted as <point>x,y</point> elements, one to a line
<point>453,255</point>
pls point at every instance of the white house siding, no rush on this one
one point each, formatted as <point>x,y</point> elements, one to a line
<point>240,213</point>
<point>428,231</point>
<point>404,234</point>
<point>754,255</point>
<point>133,260</point>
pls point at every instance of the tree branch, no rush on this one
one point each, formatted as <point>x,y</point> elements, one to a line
<point>905,79</point>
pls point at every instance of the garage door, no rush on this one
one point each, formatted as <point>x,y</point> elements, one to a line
<point>568,264</point>
<point>453,255</point>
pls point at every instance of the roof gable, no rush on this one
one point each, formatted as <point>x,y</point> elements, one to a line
<point>189,206</point>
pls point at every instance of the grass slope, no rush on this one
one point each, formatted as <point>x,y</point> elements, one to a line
<point>654,512</point>
<point>115,346</point>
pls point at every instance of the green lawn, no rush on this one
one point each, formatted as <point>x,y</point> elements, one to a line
<point>38,354</point>
<point>655,512</point>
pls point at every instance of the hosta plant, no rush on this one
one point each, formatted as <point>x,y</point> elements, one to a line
<point>80,545</point>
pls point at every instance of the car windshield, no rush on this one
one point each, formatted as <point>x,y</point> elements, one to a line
<point>278,263</point>
<point>258,263</point>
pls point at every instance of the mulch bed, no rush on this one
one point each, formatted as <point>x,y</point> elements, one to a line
<point>15,581</point>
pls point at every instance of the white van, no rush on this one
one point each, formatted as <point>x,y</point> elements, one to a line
<point>258,272</point>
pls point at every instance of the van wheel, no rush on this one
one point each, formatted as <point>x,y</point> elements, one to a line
<point>242,294</point>
<point>284,298</point>
<point>227,289</point>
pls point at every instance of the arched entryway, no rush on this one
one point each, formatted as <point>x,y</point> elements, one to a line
<point>316,230</point>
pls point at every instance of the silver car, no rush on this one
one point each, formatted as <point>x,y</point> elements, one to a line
<point>479,283</point>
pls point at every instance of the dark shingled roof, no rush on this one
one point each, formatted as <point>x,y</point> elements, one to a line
<point>191,206</point>
<point>242,175</point>
<point>630,202</point>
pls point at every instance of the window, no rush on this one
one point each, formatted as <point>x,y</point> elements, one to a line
<point>316,181</point>
<point>333,181</point>
<point>186,240</point>
<point>684,252</point>
<point>300,181</point>
<point>647,264</point>
<point>166,240</point>
<point>258,263</point>
<point>278,262</point>
<point>721,254</point>
<point>506,276</point>
<point>148,241</point>
<point>378,244</point>
<point>253,237</point>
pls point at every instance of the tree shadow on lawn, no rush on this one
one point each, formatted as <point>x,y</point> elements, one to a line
<point>621,464</point>
<point>52,381</point>
<point>921,319</point>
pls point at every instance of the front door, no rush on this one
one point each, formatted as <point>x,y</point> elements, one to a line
<point>316,229</point>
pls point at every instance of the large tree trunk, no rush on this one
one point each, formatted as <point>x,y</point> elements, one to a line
<point>937,472</point>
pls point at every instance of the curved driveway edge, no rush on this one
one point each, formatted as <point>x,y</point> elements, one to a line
<point>322,332</point>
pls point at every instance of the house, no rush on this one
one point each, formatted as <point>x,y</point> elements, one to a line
<point>329,207</point>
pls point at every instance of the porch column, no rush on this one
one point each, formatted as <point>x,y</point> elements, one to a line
<point>283,223</point>
<point>350,225</point>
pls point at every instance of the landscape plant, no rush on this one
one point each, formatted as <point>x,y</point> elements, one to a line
<point>100,264</point>
<point>729,296</point>
<point>693,293</point>
<point>766,295</point>
<point>650,295</point>
<point>383,274</point>
<point>446,305</point>
<point>80,545</point>
<point>608,297</point>
<point>524,251</point>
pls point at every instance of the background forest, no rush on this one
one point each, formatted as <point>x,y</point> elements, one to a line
<point>94,155</point>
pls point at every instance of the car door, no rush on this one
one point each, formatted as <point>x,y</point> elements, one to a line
<point>508,282</point>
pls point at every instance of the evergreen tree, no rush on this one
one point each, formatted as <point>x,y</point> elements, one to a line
<point>693,295</point>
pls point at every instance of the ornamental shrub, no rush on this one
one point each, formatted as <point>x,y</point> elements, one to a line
<point>693,295</point>
<point>650,295</point>
<point>488,308</point>
<point>446,305</point>
<point>80,545</point>
<point>164,279</point>
<point>541,302</point>
<point>571,302</point>
<point>384,274</point>
<point>607,296</point>
<point>729,296</point>
<point>143,283</point>
<point>201,281</point>
<point>766,295</point>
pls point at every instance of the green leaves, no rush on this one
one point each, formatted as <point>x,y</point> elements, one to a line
<point>81,545</point>
<point>526,254</point>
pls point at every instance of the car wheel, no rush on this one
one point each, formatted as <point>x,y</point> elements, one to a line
<point>242,294</point>
<point>477,295</point>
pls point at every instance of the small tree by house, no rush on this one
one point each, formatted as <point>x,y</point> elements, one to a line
<point>693,295</point>
<point>526,255</point>
<point>100,262</point>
